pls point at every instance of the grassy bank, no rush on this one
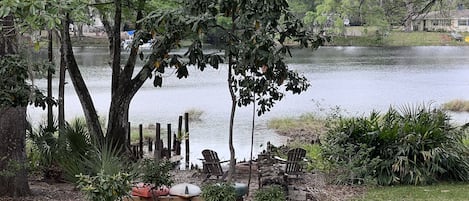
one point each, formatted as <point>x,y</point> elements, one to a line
<point>88,41</point>
<point>356,151</point>
<point>439,192</point>
<point>360,36</point>
<point>457,105</point>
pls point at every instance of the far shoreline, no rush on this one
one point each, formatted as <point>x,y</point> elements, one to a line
<point>390,39</point>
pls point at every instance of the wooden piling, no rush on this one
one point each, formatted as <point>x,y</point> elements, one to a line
<point>186,121</point>
<point>178,141</point>
<point>158,148</point>
<point>140,142</point>
<point>150,145</point>
<point>169,141</point>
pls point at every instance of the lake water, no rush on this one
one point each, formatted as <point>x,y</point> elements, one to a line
<point>356,79</point>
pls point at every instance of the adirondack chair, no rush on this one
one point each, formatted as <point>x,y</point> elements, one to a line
<point>294,162</point>
<point>212,165</point>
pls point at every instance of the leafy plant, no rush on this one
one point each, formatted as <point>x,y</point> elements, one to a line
<point>413,145</point>
<point>46,151</point>
<point>73,153</point>
<point>270,193</point>
<point>154,172</point>
<point>219,192</point>
<point>14,90</point>
<point>105,187</point>
<point>315,159</point>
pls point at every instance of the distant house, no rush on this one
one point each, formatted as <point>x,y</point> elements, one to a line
<point>452,21</point>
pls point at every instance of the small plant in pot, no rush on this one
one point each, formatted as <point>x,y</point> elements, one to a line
<point>155,173</point>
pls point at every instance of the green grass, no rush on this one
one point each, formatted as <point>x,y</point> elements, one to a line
<point>398,38</point>
<point>148,132</point>
<point>307,122</point>
<point>89,41</point>
<point>457,105</point>
<point>360,36</point>
<point>438,192</point>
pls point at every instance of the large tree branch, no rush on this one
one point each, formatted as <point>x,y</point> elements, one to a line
<point>80,85</point>
<point>130,65</point>
<point>116,53</point>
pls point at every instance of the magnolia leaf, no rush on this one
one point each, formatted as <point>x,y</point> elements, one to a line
<point>158,81</point>
<point>182,72</point>
<point>157,64</point>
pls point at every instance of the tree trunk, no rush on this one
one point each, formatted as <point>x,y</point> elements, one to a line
<point>50,104</point>
<point>79,84</point>
<point>232,116</point>
<point>233,108</point>
<point>410,13</point>
<point>123,87</point>
<point>62,71</point>
<point>13,174</point>
<point>118,119</point>
<point>116,53</point>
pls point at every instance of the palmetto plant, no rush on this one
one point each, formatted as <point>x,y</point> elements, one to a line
<point>414,145</point>
<point>74,152</point>
<point>45,151</point>
<point>85,156</point>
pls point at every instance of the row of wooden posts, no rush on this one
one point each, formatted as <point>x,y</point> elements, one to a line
<point>163,152</point>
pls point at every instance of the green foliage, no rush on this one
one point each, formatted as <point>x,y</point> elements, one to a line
<point>254,33</point>
<point>219,192</point>
<point>413,145</point>
<point>156,173</point>
<point>270,193</point>
<point>104,159</point>
<point>73,153</point>
<point>436,192</point>
<point>14,90</point>
<point>45,151</point>
<point>105,187</point>
<point>35,15</point>
<point>315,159</point>
<point>309,123</point>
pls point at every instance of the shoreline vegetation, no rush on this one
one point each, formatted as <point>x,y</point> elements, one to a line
<point>301,130</point>
<point>354,36</point>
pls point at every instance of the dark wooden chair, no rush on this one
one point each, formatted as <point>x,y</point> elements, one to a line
<point>294,163</point>
<point>212,165</point>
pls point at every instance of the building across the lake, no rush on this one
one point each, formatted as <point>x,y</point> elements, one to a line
<point>449,21</point>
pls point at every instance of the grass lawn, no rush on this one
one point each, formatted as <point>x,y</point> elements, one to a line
<point>366,36</point>
<point>438,192</point>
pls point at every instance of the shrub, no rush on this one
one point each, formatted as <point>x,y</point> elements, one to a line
<point>219,192</point>
<point>457,106</point>
<point>104,187</point>
<point>413,145</point>
<point>45,151</point>
<point>270,193</point>
<point>98,169</point>
<point>72,153</point>
<point>195,114</point>
<point>157,173</point>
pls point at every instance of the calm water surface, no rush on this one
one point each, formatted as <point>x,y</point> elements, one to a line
<point>356,79</point>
